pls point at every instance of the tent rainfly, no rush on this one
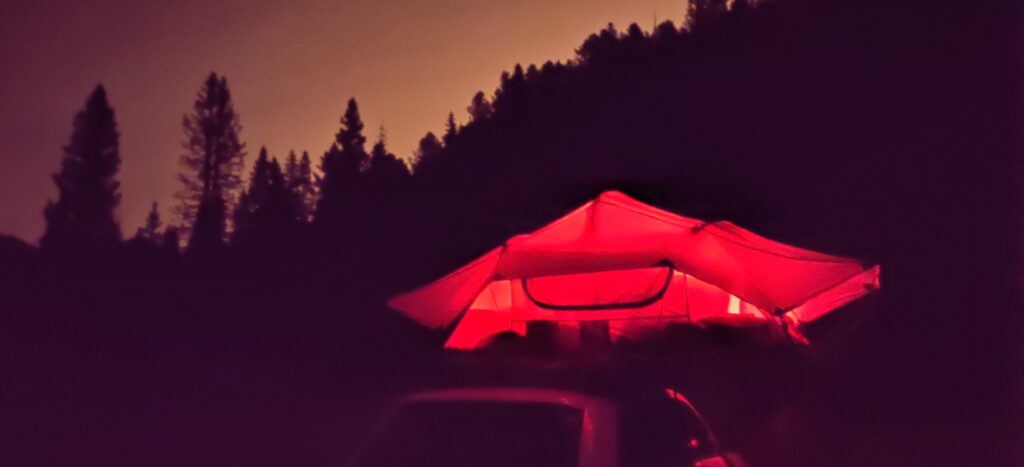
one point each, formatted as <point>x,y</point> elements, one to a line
<point>638,268</point>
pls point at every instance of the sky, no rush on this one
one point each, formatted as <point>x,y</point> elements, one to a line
<point>291,66</point>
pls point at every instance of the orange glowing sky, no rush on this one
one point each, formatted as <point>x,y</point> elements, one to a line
<point>291,66</point>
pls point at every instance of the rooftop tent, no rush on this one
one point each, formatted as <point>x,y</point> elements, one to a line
<point>638,268</point>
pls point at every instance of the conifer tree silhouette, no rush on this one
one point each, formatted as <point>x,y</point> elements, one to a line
<point>300,181</point>
<point>253,197</point>
<point>427,151</point>
<point>479,108</point>
<point>81,221</point>
<point>342,166</point>
<point>386,171</point>
<point>212,164</point>
<point>265,220</point>
<point>701,12</point>
<point>150,231</point>
<point>451,129</point>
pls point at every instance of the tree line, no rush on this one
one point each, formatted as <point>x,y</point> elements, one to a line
<point>218,207</point>
<point>352,188</point>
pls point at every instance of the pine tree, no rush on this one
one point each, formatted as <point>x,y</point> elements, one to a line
<point>429,148</point>
<point>213,163</point>
<point>266,221</point>
<point>308,189</point>
<point>150,232</point>
<point>341,166</point>
<point>386,190</point>
<point>598,45</point>
<point>299,179</point>
<point>276,213</point>
<point>510,89</point>
<point>291,179</point>
<point>665,32</point>
<point>209,228</point>
<point>386,181</point>
<point>532,73</point>
<point>254,196</point>
<point>701,12</point>
<point>82,219</point>
<point>634,33</point>
<point>515,82</point>
<point>451,129</point>
<point>479,108</point>
<point>291,167</point>
<point>386,170</point>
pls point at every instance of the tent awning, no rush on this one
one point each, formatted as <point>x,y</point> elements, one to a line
<point>638,267</point>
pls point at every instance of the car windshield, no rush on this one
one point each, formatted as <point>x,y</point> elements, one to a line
<point>476,434</point>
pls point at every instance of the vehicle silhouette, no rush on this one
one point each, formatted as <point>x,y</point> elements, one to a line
<point>514,426</point>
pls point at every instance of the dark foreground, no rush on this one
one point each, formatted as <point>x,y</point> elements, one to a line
<point>157,377</point>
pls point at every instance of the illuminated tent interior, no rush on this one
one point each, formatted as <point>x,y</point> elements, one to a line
<point>637,268</point>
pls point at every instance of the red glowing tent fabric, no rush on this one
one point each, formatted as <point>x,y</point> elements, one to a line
<point>638,268</point>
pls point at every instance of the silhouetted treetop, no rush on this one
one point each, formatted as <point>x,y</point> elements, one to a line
<point>213,163</point>
<point>451,129</point>
<point>301,184</point>
<point>82,220</point>
<point>350,137</point>
<point>479,108</point>
<point>341,166</point>
<point>598,43</point>
<point>150,231</point>
<point>253,196</point>
<point>386,170</point>
<point>665,31</point>
<point>266,220</point>
<point>701,12</point>
<point>427,151</point>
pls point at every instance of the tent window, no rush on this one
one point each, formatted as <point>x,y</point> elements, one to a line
<point>626,288</point>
